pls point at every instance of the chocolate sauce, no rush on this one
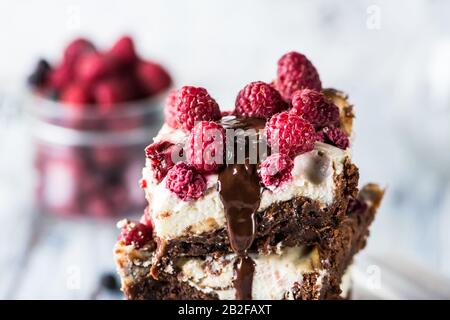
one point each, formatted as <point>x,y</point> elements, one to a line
<point>317,166</point>
<point>240,193</point>
<point>162,247</point>
<point>231,122</point>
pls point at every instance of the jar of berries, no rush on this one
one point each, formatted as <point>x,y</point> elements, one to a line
<point>91,117</point>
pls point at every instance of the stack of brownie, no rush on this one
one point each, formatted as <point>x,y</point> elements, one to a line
<point>258,203</point>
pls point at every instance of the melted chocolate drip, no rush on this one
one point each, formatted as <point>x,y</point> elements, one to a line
<point>162,247</point>
<point>240,194</point>
<point>317,166</point>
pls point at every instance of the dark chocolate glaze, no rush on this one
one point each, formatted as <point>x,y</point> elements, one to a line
<point>240,193</point>
<point>231,122</point>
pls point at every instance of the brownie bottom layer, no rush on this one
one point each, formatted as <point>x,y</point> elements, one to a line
<point>335,253</point>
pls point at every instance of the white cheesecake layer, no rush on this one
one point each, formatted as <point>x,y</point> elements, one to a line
<point>173,217</point>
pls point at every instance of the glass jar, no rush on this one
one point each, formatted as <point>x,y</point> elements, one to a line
<point>88,160</point>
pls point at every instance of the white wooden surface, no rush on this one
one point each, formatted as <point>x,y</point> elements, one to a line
<point>397,74</point>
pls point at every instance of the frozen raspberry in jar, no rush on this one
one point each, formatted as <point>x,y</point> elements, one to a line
<point>101,105</point>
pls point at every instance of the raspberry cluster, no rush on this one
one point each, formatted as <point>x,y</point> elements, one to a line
<point>296,111</point>
<point>311,115</point>
<point>87,75</point>
<point>96,178</point>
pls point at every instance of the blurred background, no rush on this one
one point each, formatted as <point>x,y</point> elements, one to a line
<point>391,57</point>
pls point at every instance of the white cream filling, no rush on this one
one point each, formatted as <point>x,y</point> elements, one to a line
<point>346,283</point>
<point>274,278</point>
<point>173,217</point>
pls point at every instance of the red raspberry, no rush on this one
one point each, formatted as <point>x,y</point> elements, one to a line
<point>335,137</point>
<point>75,94</point>
<point>205,146</point>
<point>195,104</point>
<point>259,100</point>
<point>185,182</point>
<point>112,91</point>
<point>276,169</point>
<point>123,51</point>
<point>136,233</point>
<point>94,66</point>
<point>296,72</point>
<point>290,134</point>
<point>162,155</point>
<point>152,77</point>
<point>170,110</point>
<point>60,77</point>
<point>315,108</point>
<point>76,49</point>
